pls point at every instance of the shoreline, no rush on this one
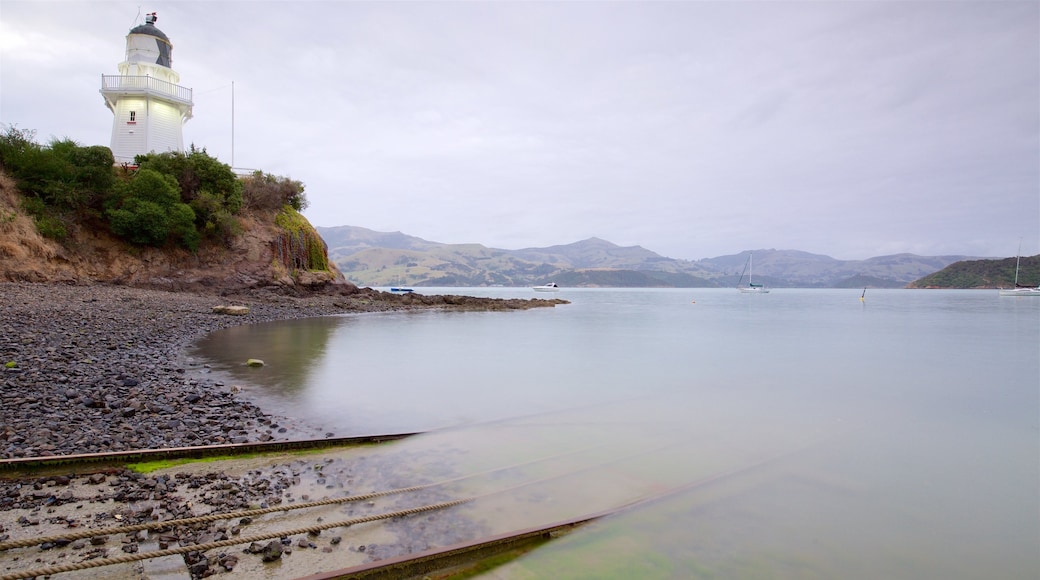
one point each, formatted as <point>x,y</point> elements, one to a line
<point>91,368</point>
<point>106,368</point>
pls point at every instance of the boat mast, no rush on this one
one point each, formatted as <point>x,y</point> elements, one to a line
<point>1018,259</point>
<point>742,273</point>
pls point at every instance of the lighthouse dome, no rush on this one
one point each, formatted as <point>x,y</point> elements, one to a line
<point>146,44</point>
<point>149,29</point>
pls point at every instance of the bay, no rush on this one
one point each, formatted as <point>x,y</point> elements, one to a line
<point>896,436</point>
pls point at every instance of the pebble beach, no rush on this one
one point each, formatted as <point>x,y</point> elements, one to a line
<point>100,368</point>
<point>96,368</point>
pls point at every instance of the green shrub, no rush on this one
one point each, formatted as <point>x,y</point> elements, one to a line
<point>197,173</point>
<point>223,226</point>
<point>17,146</point>
<point>141,222</point>
<point>47,223</point>
<point>65,175</point>
<point>34,206</point>
<point>149,212</point>
<point>182,226</point>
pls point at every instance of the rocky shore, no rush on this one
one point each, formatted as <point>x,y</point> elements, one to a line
<point>100,368</point>
<point>94,368</point>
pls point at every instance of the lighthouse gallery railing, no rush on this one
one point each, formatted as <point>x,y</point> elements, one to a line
<point>145,84</point>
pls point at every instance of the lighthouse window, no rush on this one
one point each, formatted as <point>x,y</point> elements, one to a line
<point>133,115</point>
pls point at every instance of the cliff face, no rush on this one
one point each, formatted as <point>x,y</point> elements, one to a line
<point>273,250</point>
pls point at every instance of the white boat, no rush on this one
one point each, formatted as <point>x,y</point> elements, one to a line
<point>1019,290</point>
<point>550,287</point>
<point>750,288</point>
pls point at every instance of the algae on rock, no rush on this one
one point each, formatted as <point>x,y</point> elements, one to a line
<point>299,246</point>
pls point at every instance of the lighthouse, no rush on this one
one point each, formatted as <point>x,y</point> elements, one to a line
<point>149,107</point>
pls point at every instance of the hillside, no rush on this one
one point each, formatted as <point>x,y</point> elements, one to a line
<point>371,258</point>
<point>781,268</point>
<point>270,250</point>
<point>984,274</point>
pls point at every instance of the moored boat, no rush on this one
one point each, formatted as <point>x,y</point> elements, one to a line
<point>1019,290</point>
<point>750,288</point>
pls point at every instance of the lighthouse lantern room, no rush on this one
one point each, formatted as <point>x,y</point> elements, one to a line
<point>150,108</point>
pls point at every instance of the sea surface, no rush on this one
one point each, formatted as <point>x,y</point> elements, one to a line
<point>811,433</point>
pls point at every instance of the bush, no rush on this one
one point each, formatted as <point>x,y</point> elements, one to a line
<point>182,226</point>
<point>196,173</point>
<point>65,175</point>
<point>141,222</point>
<point>267,192</point>
<point>210,187</point>
<point>15,146</point>
<point>48,224</point>
<point>223,226</point>
<point>149,212</point>
<point>86,175</point>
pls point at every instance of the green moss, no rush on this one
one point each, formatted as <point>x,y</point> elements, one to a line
<point>150,466</point>
<point>301,247</point>
<point>10,364</point>
<point>486,565</point>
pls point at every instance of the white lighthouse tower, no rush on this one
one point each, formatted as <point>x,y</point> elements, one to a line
<point>150,108</point>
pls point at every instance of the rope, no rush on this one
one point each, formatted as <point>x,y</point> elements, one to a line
<point>125,559</point>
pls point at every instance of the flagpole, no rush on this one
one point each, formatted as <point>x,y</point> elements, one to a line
<point>232,124</point>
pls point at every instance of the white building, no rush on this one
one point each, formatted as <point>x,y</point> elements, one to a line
<point>150,108</point>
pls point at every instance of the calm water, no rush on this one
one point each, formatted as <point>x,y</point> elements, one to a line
<point>896,437</point>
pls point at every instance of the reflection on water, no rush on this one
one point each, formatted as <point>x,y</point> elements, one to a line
<point>822,437</point>
<point>290,350</point>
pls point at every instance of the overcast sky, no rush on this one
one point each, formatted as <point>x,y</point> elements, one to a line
<point>693,129</point>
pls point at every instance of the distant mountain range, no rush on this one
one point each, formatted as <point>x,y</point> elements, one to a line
<point>370,258</point>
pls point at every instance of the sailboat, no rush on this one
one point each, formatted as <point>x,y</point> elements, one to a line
<point>750,288</point>
<point>1019,290</point>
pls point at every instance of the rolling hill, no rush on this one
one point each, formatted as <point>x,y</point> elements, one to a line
<point>371,258</point>
<point>998,273</point>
